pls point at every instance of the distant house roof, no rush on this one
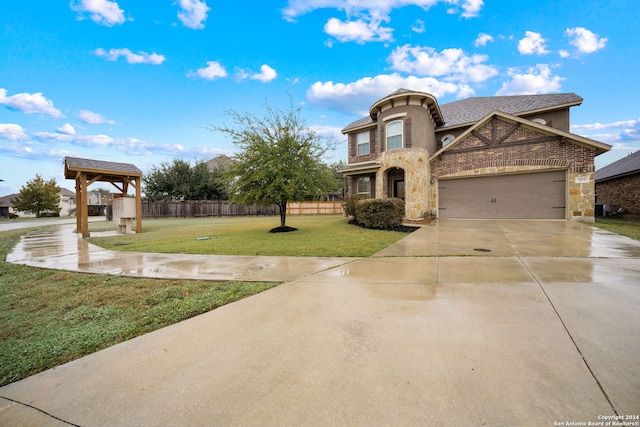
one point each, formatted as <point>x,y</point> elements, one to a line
<point>470,110</point>
<point>6,200</point>
<point>66,192</point>
<point>75,164</point>
<point>221,161</point>
<point>626,166</point>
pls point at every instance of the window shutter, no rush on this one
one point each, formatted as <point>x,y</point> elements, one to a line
<point>383,145</point>
<point>407,133</point>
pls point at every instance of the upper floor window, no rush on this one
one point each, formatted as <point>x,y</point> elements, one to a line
<point>362,140</point>
<point>394,135</point>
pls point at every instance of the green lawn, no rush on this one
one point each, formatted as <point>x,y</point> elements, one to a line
<point>619,226</point>
<point>317,235</point>
<point>49,317</point>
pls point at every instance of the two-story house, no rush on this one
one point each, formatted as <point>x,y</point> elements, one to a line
<point>484,157</point>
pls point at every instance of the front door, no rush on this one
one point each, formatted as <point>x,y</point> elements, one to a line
<point>398,188</point>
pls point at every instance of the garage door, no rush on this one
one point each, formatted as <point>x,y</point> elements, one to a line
<point>531,195</point>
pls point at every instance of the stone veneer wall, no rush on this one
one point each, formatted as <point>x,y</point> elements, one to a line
<point>621,193</point>
<point>415,163</point>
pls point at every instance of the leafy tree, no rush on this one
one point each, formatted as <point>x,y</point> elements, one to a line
<point>38,196</point>
<point>280,160</point>
<point>178,180</point>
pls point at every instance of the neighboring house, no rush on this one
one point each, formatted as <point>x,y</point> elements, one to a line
<point>487,157</point>
<point>219,162</point>
<point>67,205</point>
<point>618,184</point>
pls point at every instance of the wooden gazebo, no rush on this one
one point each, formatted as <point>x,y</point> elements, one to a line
<point>88,171</point>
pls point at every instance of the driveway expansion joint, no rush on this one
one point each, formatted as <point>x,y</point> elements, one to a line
<point>26,405</point>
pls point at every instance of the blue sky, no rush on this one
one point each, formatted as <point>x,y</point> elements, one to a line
<point>122,81</point>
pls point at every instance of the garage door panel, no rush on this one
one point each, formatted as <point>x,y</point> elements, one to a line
<point>533,195</point>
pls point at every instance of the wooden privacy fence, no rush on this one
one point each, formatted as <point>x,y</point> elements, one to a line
<point>314,208</point>
<point>207,208</point>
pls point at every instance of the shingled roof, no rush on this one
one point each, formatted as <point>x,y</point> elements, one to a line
<point>74,164</point>
<point>626,166</point>
<point>470,110</point>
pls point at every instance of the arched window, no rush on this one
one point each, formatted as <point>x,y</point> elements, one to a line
<point>394,135</point>
<point>447,139</point>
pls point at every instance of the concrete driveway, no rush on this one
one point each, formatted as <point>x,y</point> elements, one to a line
<point>469,323</point>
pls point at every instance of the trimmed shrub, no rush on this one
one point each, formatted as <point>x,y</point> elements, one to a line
<point>350,203</point>
<point>382,214</point>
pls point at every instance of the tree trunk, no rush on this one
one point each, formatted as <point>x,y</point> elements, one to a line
<point>283,212</point>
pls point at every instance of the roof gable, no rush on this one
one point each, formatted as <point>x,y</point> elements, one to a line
<point>625,166</point>
<point>528,126</point>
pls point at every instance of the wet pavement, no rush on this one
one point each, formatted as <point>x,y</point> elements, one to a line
<point>519,323</point>
<point>61,249</point>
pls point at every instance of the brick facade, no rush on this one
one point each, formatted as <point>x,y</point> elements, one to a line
<point>487,142</point>
<point>621,192</point>
<point>500,146</point>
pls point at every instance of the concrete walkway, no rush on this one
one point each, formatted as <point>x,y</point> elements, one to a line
<point>469,323</point>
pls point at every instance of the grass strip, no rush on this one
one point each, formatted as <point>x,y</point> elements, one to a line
<point>619,226</point>
<point>50,317</point>
<point>317,235</point>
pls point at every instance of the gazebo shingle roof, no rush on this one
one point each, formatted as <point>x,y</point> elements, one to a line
<point>75,164</point>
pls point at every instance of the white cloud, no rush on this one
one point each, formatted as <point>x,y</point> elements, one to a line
<point>296,8</point>
<point>265,75</point>
<point>92,118</point>
<point>482,40</point>
<point>329,132</point>
<point>584,40</point>
<point>66,129</point>
<point>360,30</point>
<point>12,132</point>
<point>356,97</point>
<point>626,124</point>
<point>29,103</point>
<point>365,18</point>
<point>451,64</point>
<point>418,27</point>
<point>193,13</point>
<point>83,140</point>
<point>532,43</point>
<point>103,12</point>
<point>212,71</point>
<point>623,130</point>
<point>132,58</point>
<point>564,53</point>
<point>129,146</point>
<point>535,80</point>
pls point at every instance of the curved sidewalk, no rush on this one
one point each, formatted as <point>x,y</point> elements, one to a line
<point>61,249</point>
<point>540,327</point>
